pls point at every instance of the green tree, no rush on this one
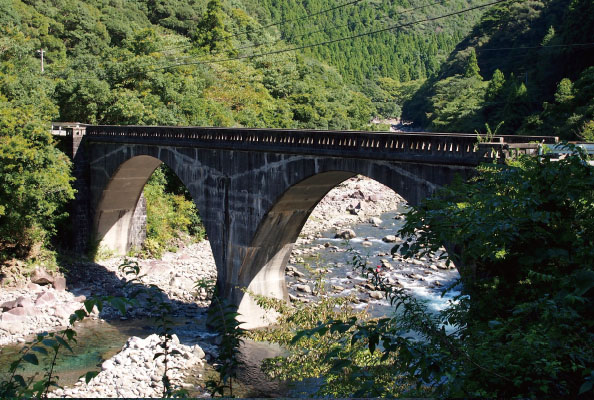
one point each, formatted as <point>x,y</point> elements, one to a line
<point>472,68</point>
<point>210,32</point>
<point>35,181</point>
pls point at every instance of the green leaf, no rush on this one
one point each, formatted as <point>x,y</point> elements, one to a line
<point>31,358</point>
<point>157,355</point>
<point>64,343</point>
<point>584,282</point>
<point>90,375</point>
<point>39,349</point>
<point>89,305</point>
<point>19,379</point>
<point>80,315</point>
<point>119,304</point>
<point>50,343</point>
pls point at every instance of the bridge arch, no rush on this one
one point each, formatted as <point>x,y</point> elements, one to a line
<point>118,206</point>
<point>115,211</point>
<point>262,270</point>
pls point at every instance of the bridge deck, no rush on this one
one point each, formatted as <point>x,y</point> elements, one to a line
<point>450,148</point>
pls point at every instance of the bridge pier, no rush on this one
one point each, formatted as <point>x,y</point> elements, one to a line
<point>255,189</point>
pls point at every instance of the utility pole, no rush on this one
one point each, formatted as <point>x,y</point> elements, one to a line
<point>41,52</point>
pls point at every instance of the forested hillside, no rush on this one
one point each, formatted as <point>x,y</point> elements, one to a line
<point>114,62</point>
<point>138,62</point>
<point>381,64</point>
<point>526,67</point>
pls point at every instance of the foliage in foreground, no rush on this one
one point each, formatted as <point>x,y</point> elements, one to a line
<point>34,182</point>
<point>522,236</point>
<point>331,354</point>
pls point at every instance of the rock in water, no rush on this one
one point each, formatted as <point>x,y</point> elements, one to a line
<point>376,294</point>
<point>303,288</point>
<point>345,234</point>
<point>389,239</point>
<point>375,221</point>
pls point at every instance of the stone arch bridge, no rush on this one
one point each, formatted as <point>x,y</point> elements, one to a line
<point>255,188</point>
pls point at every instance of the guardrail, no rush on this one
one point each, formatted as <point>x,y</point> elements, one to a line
<point>409,146</point>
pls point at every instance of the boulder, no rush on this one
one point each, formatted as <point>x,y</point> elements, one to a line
<point>357,194</point>
<point>107,365</point>
<point>375,221</point>
<point>80,299</point>
<point>355,209</point>
<point>366,243</point>
<point>8,305</point>
<point>389,238</point>
<point>41,277</point>
<point>374,198</point>
<point>16,314</point>
<point>62,313</point>
<point>198,352</point>
<point>303,288</point>
<point>298,274</point>
<point>33,286</point>
<point>376,294</point>
<point>345,234</point>
<point>45,299</point>
<point>59,284</point>
<point>13,327</point>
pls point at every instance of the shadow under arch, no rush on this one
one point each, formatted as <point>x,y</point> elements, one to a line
<point>263,269</point>
<point>119,205</point>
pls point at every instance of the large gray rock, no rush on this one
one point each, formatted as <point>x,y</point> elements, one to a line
<point>345,234</point>
<point>59,284</point>
<point>376,294</point>
<point>303,288</point>
<point>389,238</point>
<point>19,302</point>
<point>41,277</point>
<point>375,221</point>
<point>45,299</point>
<point>16,314</point>
<point>198,352</point>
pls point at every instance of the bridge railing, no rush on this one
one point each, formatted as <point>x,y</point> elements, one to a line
<point>457,148</point>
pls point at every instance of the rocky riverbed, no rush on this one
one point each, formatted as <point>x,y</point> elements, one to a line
<point>46,305</point>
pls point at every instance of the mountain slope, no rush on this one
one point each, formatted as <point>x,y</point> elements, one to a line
<point>534,59</point>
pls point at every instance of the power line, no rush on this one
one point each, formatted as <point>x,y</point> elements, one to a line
<point>327,29</point>
<point>327,42</point>
<point>332,28</point>
<point>283,22</point>
<point>535,47</point>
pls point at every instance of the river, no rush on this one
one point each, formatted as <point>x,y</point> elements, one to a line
<point>98,340</point>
